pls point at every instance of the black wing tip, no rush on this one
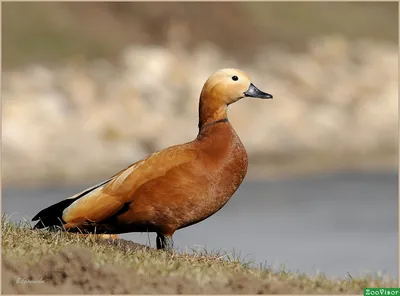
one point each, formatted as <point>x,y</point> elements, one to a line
<point>48,221</point>
<point>55,210</point>
<point>38,225</point>
<point>41,214</point>
<point>52,215</point>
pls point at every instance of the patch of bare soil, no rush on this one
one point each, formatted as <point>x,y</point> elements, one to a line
<point>73,271</point>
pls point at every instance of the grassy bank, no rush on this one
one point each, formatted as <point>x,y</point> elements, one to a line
<point>67,263</point>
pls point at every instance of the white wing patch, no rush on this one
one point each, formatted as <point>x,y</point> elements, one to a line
<point>84,192</point>
<point>84,198</point>
<point>121,178</point>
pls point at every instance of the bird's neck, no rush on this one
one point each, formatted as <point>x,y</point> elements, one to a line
<point>210,113</point>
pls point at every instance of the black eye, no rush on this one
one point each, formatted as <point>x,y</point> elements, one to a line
<point>235,78</point>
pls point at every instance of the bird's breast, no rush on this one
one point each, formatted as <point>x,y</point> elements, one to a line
<point>224,160</point>
<point>228,170</point>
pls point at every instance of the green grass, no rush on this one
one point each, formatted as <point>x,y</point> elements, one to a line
<point>19,242</point>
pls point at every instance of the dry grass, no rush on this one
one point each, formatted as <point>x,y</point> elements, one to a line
<point>19,242</point>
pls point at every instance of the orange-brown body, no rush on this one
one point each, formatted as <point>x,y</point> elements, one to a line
<point>175,187</point>
<point>212,168</point>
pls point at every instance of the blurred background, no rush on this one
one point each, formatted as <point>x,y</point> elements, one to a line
<point>89,88</point>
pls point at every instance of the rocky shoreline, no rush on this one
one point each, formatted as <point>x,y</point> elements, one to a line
<point>335,105</point>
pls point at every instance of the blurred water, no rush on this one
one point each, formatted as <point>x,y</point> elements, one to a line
<point>335,224</point>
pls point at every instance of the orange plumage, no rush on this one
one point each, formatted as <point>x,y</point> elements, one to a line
<point>172,188</point>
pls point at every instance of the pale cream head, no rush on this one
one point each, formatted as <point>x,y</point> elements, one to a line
<point>225,87</point>
<point>230,85</point>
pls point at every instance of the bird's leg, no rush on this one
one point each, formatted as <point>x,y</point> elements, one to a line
<point>165,242</point>
<point>159,241</point>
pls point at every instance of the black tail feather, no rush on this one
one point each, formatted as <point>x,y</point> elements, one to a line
<point>48,221</point>
<point>52,215</point>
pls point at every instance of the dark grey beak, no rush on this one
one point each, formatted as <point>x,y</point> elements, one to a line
<point>254,92</point>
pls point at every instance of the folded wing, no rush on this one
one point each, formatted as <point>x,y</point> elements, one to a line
<point>106,199</point>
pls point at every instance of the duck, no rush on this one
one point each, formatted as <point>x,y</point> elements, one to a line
<point>172,188</point>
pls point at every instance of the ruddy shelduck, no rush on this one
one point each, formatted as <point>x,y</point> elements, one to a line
<point>174,187</point>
